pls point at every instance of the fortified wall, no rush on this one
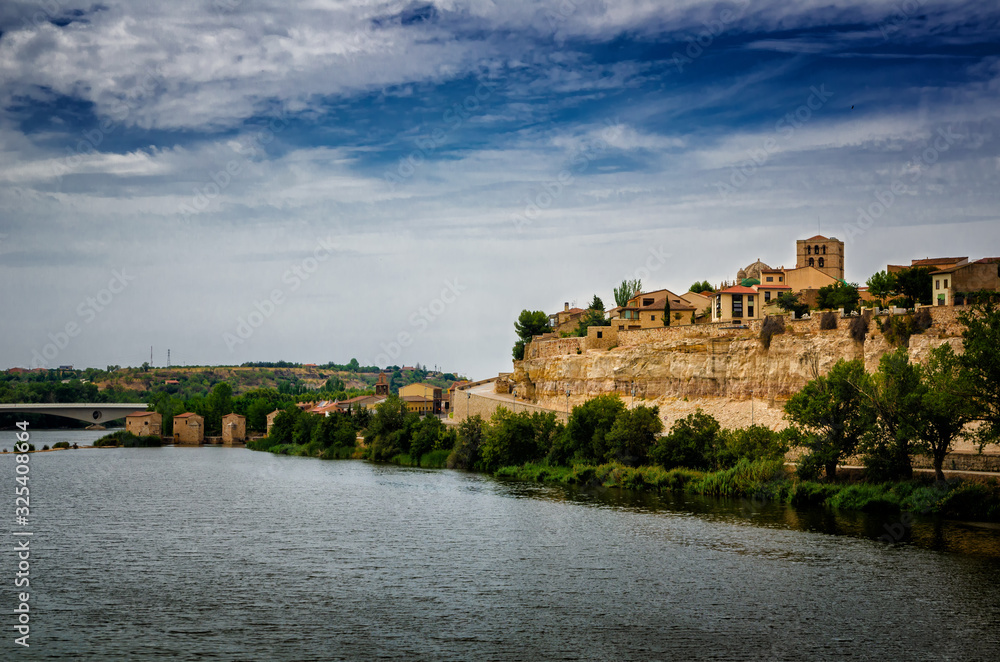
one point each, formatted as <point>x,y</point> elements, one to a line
<point>710,360</point>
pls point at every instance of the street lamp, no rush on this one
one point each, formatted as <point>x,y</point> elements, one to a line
<point>567,405</point>
<point>514,393</point>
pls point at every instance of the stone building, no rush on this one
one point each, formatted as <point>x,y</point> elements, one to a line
<point>234,429</point>
<point>736,304</point>
<point>144,424</point>
<point>824,253</point>
<point>645,311</point>
<point>952,285</point>
<point>189,428</point>
<point>270,420</point>
<point>565,320</point>
<point>382,385</point>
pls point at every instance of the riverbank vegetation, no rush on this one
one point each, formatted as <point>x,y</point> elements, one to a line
<point>125,439</point>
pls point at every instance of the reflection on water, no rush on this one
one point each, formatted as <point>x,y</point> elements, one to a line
<point>227,554</point>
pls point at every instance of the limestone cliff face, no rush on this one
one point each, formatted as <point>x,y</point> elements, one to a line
<point>721,366</point>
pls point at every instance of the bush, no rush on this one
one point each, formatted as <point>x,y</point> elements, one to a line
<point>126,439</point>
<point>828,321</point>
<point>45,447</point>
<point>859,327</point>
<point>691,443</point>
<point>465,454</point>
<point>972,501</point>
<point>756,442</point>
<point>61,444</point>
<point>771,327</point>
<point>747,478</point>
<point>866,497</point>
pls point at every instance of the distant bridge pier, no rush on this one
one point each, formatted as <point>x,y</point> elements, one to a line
<point>86,412</point>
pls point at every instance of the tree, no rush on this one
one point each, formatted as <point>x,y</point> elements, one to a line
<point>894,397</point>
<point>219,403</point>
<point>882,286</point>
<point>528,324</point>
<point>633,435</point>
<point>596,304</point>
<point>830,407</point>
<point>839,295</point>
<point>914,285</point>
<point>509,440</point>
<point>699,287</point>
<point>945,408</point>
<point>465,454</point>
<point>593,317</point>
<point>585,435</point>
<point>334,385</point>
<point>981,361</point>
<point>789,302</point>
<point>627,290</point>
<point>666,311</point>
<point>692,442</point>
<point>425,437</point>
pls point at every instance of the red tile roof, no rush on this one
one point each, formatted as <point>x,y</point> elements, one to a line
<point>988,260</point>
<point>186,414</point>
<point>738,289</point>
<point>931,261</point>
<point>818,237</point>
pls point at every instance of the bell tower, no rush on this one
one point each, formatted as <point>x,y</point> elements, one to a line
<point>823,253</point>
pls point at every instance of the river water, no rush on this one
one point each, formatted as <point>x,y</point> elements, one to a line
<point>228,554</point>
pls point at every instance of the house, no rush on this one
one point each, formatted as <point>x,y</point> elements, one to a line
<point>807,278</point>
<point>449,403</point>
<point>144,423</point>
<point>701,302</point>
<point>171,382</point>
<point>933,263</point>
<point>382,385</point>
<point>270,420</point>
<point>645,311</point>
<point>566,320</point>
<point>234,429</point>
<point>189,428</point>
<point>950,286</point>
<point>363,401</point>
<point>427,392</point>
<point>769,293</point>
<point>823,253</point>
<point>419,404</point>
<point>737,304</point>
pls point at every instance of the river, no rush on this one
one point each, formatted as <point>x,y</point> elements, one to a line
<point>227,554</point>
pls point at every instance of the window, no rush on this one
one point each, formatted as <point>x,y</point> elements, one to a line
<point>718,306</point>
<point>809,250</point>
<point>821,263</point>
<point>937,284</point>
<point>737,305</point>
<point>946,283</point>
<point>647,302</point>
<point>811,264</point>
<point>767,295</point>
<point>770,279</point>
<point>824,250</point>
<point>652,318</point>
<point>781,279</point>
<point>621,327</point>
<point>816,249</point>
<point>750,306</point>
<point>600,334</point>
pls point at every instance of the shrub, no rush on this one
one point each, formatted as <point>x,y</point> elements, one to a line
<point>866,497</point>
<point>771,327</point>
<point>692,443</point>
<point>465,454</point>
<point>827,321</point>
<point>61,444</point>
<point>972,501</point>
<point>755,442</point>
<point>45,447</point>
<point>859,328</point>
<point>126,439</point>
<point>746,478</point>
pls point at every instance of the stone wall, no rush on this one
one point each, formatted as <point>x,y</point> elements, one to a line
<point>485,406</point>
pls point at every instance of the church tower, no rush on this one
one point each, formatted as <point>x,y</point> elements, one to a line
<point>382,385</point>
<point>823,253</point>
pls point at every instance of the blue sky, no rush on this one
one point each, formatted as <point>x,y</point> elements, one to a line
<point>395,181</point>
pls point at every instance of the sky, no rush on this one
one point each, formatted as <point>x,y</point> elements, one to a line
<point>245,180</point>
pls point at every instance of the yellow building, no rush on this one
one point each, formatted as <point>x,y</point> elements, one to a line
<point>189,428</point>
<point>737,304</point>
<point>952,285</point>
<point>234,429</point>
<point>645,311</point>
<point>430,398</point>
<point>807,278</point>
<point>144,424</point>
<point>565,320</point>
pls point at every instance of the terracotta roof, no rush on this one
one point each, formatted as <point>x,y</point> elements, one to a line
<point>931,261</point>
<point>141,413</point>
<point>817,237</point>
<point>186,414</point>
<point>988,260</point>
<point>762,286</point>
<point>738,289</point>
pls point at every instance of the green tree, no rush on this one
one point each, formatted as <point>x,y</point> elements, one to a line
<point>509,440</point>
<point>914,285</point>
<point>592,317</point>
<point>830,408</point>
<point>699,287</point>
<point>335,430</point>
<point>692,442</point>
<point>585,436</point>
<point>465,454</point>
<point>284,425</point>
<point>789,302</point>
<point>633,435</point>
<point>627,290</point>
<point>218,404</point>
<point>981,361</point>
<point>839,295</point>
<point>945,408</point>
<point>528,324</point>
<point>425,437</point>
<point>596,304</point>
<point>666,311</point>
<point>882,286</point>
<point>894,396</point>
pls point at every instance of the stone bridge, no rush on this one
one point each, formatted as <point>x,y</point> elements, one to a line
<point>89,412</point>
